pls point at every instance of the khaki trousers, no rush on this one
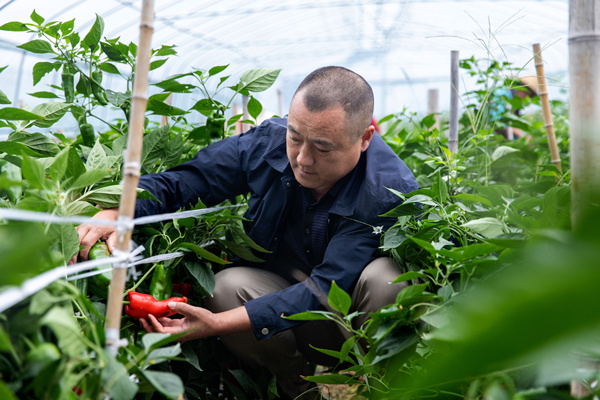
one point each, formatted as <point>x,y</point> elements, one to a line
<point>288,354</point>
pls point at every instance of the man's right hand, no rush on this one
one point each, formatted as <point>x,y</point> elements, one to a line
<point>89,234</point>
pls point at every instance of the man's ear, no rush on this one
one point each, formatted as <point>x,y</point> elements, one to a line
<point>366,137</point>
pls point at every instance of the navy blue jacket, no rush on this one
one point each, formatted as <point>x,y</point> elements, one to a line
<point>255,162</point>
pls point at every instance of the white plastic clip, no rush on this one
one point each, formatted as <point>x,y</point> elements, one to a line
<point>131,168</point>
<point>113,341</point>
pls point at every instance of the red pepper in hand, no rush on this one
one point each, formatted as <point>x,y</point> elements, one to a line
<point>141,305</point>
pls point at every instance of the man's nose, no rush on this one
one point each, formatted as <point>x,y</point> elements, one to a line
<point>305,156</point>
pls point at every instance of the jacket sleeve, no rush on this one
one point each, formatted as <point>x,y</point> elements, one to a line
<point>350,249</point>
<point>212,176</point>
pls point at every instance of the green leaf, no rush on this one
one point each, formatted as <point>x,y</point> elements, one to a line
<point>190,355</point>
<point>203,274</point>
<point>207,255</point>
<point>204,107</point>
<point>254,107</point>
<point>311,316</point>
<point>488,227</point>
<point>89,178</point>
<point>37,46</point>
<point>217,69</point>
<point>156,340</point>
<point>167,383</point>
<point>6,393</point>
<point>106,197</point>
<point>93,37</point>
<point>241,251</point>
<point>115,379</point>
<point>257,80</point>
<point>174,150</point>
<point>108,67</point>
<point>157,63</point>
<point>18,114</point>
<point>429,121</point>
<point>473,198</point>
<point>16,148</point>
<point>35,17</point>
<point>59,165</point>
<point>80,208</point>
<point>97,159</point>
<point>161,108</point>
<point>162,354</point>
<point>33,173</point>
<point>75,166</point>
<point>67,27</point>
<point>71,340</point>
<point>41,69</point>
<point>407,276</point>
<point>44,95</point>
<point>68,240</point>
<point>403,209</point>
<point>3,98</point>
<point>172,85</point>
<point>132,49</point>
<point>166,51</point>
<point>52,113</point>
<point>22,257</point>
<point>36,141</point>
<point>503,151</point>
<point>14,26</point>
<point>5,344</point>
<point>116,98</point>
<point>339,300</point>
<point>154,145</point>
<point>409,293</point>
<point>114,53</point>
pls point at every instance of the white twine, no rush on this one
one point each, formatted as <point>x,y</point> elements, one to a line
<point>122,222</point>
<point>13,295</point>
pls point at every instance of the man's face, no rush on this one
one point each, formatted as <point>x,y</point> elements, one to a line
<point>320,150</point>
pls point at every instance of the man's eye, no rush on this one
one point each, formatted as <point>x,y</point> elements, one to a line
<point>322,150</point>
<point>295,140</point>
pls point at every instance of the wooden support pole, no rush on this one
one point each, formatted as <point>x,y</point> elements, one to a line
<point>584,106</point>
<point>165,120</point>
<point>245,100</point>
<point>131,175</point>
<point>453,123</point>
<point>547,114</point>
<point>280,103</point>
<point>433,106</point>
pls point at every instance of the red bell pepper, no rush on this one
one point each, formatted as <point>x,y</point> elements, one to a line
<point>141,305</point>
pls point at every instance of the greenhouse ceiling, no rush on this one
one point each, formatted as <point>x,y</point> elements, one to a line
<point>401,47</point>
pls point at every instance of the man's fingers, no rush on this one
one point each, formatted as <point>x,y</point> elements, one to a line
<point>146,326</point>
<point>181,308</point>
<point>155,324</point>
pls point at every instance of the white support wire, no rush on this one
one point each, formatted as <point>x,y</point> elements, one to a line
<point>34,216</point>
<point>13,295</point>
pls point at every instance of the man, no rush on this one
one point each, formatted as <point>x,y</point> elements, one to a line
<point>318,182</point>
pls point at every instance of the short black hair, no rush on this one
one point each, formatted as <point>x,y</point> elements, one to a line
<point>328,86</point>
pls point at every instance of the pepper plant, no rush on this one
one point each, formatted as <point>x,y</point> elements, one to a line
<point>78,172</point>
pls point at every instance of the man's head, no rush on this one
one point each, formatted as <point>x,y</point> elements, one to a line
<point>329,125</point>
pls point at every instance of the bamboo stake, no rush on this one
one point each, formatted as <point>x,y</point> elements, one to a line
<point>165,120</point>
<point>131,174</point>
<point>280,103</point>
<point>433,106</point>
<point>453,123</point>
<point>543,93</point>
<point>584,109</point>
<point>584,117</point>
